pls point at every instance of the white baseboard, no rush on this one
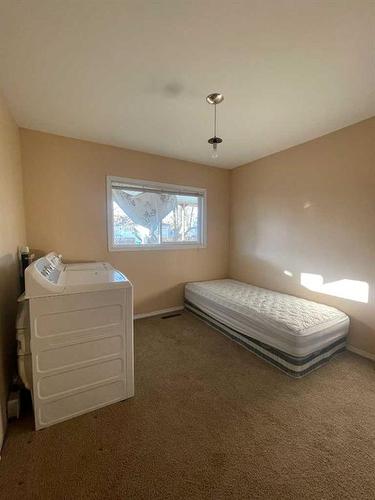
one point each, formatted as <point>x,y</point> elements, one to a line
<point>158,313</point>
<point>364,354</point>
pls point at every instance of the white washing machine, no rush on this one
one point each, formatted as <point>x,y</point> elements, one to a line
<point>75,338</point>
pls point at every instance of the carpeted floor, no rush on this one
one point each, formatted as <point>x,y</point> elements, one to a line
<point>209,420</point>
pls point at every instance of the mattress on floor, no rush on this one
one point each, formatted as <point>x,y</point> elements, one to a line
<point>299,331</point>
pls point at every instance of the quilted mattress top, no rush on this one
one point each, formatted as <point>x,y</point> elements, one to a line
<point>292,313</point>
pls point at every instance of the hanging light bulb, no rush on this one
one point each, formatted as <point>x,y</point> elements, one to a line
<point>215,99</point>
<point>215,141</point>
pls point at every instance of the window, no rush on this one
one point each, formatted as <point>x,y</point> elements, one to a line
<point>146,215</point>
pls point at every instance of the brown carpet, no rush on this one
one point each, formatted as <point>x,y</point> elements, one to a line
<point>209,420</point>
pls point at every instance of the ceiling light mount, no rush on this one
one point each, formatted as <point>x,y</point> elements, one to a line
<point>215,98</point>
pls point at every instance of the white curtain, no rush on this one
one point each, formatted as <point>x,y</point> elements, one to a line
<point>145,209</point>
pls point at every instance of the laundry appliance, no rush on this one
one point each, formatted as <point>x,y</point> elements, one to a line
<point>75,337</point>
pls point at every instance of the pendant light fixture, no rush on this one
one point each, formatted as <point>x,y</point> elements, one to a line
<point>215,99</point>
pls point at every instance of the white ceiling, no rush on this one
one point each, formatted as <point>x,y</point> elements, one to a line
<point>136,73</point>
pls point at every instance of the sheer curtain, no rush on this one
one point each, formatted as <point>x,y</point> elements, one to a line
<point>145,209</point>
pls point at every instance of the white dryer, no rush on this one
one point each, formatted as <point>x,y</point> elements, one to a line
<point>81,337</point>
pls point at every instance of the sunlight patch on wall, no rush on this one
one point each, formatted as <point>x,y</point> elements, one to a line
<point>346,289</point>
<point>288,273</point>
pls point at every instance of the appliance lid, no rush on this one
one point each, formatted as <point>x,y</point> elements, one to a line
<point>89,280</point>
<point>49,276</point>
<point>88,266</point>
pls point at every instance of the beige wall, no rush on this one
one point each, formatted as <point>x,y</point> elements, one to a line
<point>12,235</point>
<point>65,200</point>
<point>311,209</point>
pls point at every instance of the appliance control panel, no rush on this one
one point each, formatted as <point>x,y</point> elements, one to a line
<point>49,269</point>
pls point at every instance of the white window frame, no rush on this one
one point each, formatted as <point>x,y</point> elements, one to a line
<point>175,188</point>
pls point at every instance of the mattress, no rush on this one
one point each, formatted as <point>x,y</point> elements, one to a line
<point>296,333</point>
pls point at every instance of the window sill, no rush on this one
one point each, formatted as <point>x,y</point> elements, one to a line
<point>157,247</point>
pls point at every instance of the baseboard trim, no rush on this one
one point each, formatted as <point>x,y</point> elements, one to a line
<point>158,313</point>
<point>360,352</point>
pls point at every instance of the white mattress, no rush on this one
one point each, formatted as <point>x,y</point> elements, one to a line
<point>295,326</point>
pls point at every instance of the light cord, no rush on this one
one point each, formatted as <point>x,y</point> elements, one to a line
<point>215,121</point>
